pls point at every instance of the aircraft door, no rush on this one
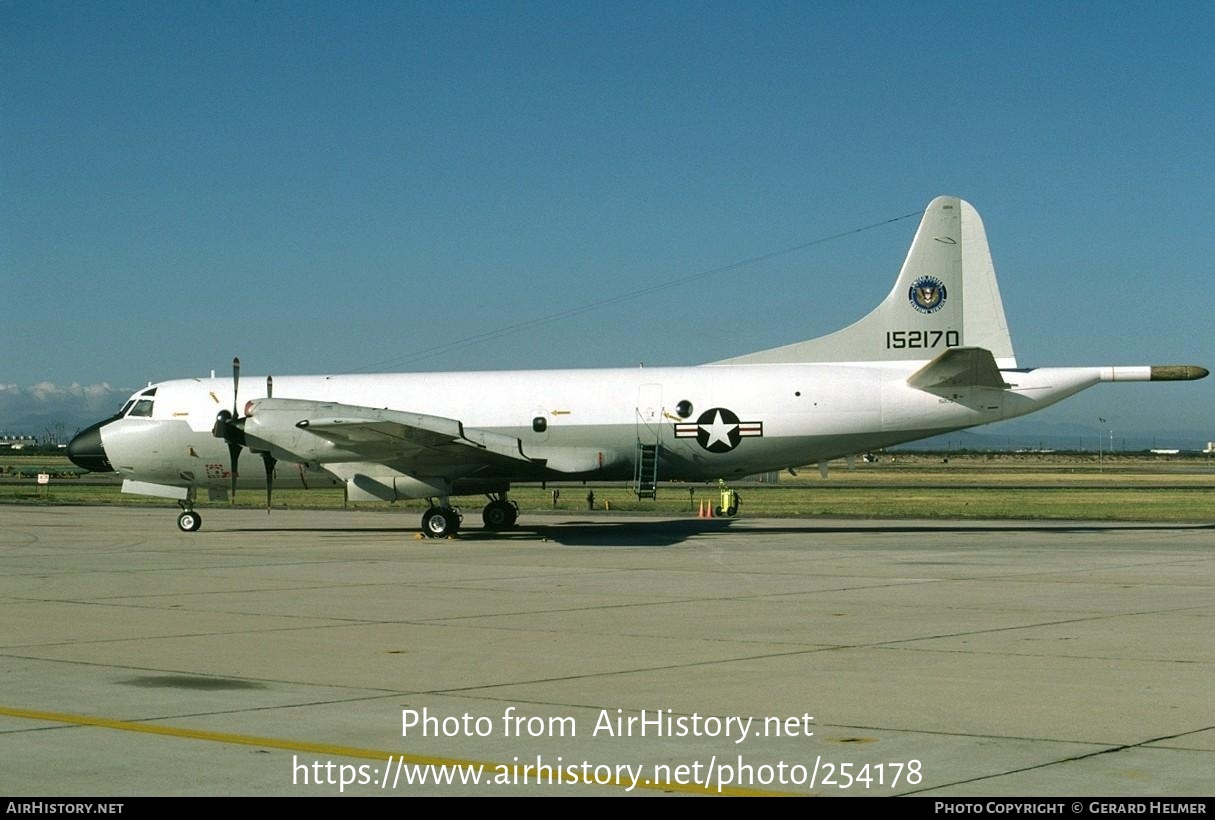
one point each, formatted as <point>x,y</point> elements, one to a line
<point>649,413</point>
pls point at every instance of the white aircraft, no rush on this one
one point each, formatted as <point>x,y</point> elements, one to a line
<point>935,356</point>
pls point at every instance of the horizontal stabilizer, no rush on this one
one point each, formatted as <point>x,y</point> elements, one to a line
<point>959,367</point>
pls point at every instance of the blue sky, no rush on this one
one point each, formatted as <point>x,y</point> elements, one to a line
<point>323,187</point>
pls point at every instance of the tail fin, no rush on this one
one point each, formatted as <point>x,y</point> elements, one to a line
<point>946,296</point>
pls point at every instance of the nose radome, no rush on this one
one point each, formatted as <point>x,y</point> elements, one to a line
<point>85,449</point>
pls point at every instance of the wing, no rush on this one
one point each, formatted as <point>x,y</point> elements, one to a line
<point>413,443</point>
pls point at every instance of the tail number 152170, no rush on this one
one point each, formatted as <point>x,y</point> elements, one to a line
<point>922,339</point>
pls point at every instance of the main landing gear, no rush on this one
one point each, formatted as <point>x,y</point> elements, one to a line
<point>440,521</point>
<point>443,520</point>
<point>500,513</point>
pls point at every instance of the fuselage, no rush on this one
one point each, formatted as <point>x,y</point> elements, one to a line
<point>709,422</point>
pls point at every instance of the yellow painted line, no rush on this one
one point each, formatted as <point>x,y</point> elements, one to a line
<point>517,771</point>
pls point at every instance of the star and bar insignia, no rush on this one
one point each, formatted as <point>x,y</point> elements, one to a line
<point>719,430</point>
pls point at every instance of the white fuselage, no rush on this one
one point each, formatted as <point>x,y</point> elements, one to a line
<point>711,421</point>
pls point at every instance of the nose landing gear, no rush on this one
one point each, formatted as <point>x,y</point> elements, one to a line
<point>189,520</point>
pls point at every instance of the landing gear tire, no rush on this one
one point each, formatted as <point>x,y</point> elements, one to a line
<point>499,515</point>
<point>189,521</point>
<point>440,522</point>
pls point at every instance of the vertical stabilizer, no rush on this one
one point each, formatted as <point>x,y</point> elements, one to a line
<point>945,297</point>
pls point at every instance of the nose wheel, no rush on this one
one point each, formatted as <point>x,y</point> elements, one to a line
<point>189,521</point>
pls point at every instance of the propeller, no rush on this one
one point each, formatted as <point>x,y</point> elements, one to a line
<point>230,426</point>
<point>267,459</point>
<point>226,427</point>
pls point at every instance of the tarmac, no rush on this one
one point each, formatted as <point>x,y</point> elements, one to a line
<point>312,653</point>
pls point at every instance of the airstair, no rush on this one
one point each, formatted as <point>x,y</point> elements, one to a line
<point>645,476</point>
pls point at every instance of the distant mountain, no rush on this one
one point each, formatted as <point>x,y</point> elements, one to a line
<point>47,409</point>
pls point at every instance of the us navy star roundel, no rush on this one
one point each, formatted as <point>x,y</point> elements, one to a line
<point>718,430</point>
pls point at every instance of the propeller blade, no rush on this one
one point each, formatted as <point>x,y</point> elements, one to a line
<point>269,461</point>
<point>234,454</point>
<point>233,446</point>
<point>235,384</point>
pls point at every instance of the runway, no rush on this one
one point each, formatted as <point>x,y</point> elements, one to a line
<point>266,653</point>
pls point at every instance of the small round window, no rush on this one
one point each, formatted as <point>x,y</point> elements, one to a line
<point>539,424</point>
<point>684,409</point>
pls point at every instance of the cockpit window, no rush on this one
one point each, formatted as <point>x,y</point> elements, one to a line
<point>143,407</point>
<point>139,405</point>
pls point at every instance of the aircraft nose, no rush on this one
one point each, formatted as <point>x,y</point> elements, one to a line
<point>85,449</point>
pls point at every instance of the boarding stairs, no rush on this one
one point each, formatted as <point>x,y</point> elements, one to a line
<point>645,476</point>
